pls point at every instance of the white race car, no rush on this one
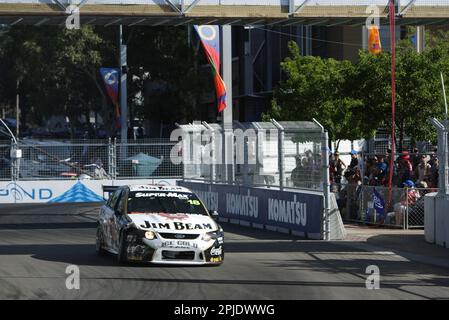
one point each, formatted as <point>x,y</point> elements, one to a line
<point>159,224</point>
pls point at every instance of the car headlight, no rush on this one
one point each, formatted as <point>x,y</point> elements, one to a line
<point>207,236</point>
<point>150,235</point>
<point>212,235</point>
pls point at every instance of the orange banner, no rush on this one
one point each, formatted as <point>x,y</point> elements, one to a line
<point>374,45</point>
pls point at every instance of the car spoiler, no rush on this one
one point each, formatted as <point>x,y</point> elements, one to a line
<point>109,190</point>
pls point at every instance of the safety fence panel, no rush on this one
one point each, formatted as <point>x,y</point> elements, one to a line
<point>146,159</point>
<point>302,156</point>
<point>5,162</point>
<point>403,207</point>
<point>269,154</point>
<point>63,161</point>
<point>87,159</point>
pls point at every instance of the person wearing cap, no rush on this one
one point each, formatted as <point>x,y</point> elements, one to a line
<point>422,170</point>
<point>354,160</point>
<point>405,168</point>
<point>408,199</point>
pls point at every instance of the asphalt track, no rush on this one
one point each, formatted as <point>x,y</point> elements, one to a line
<point>37,243</point>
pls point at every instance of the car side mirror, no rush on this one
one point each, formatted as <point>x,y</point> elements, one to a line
<point>214,215</point>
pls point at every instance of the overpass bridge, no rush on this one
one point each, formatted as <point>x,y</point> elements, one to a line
<point>224,12</point>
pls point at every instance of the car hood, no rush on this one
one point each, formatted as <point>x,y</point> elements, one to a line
<point>180,222</point>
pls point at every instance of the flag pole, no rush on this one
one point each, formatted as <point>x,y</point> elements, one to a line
<point>392,12</point>
<point>444,95</point>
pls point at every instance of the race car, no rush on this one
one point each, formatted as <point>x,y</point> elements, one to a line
<point>161,225</point>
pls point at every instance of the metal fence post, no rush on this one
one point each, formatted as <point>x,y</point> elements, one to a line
<point>212,151</point>
<point>445,159</point>
<point>110,157</point>
<point>442,130</point>
<point>114,159</point>
<point>405,218</point>
<point>326,179</point>
<point>15,160</point>
<point>281,138</point>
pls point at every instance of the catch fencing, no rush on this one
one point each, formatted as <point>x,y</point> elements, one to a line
<point>403,208</point>
<point>87,159</point>
<point>270,154</point>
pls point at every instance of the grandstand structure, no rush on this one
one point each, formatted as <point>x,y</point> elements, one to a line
<point>223,12</point>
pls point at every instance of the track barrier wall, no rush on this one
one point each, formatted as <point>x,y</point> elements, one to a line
<point>294,212</point>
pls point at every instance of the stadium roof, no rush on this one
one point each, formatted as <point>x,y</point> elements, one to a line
<point>231,12</point>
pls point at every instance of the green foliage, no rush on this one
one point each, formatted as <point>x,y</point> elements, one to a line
<point>353,100</point>
<point>317,88</point>
<point>56,69</point>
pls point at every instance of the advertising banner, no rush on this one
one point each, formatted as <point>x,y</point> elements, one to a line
<point>63,191</point>
<point>296,211</point>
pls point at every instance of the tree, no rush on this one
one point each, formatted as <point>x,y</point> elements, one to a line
<point>353,100</point>
<point>418,93</point>
<point>321,89</point>
<point>57,71</point>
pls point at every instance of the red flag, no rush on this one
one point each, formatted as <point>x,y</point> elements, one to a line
<point>210,40</point>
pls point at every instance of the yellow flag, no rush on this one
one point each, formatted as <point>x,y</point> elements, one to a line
<point>374,45</point>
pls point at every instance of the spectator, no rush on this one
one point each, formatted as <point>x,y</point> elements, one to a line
<point>405,168</point>
<point>422,171</point>
<point>433,177</point>
<point>340,166</point>
<point>415,158</point>
<point>382,168</point>
<point>298,171</point>
<point>409,199</point>
<point>354,160</point>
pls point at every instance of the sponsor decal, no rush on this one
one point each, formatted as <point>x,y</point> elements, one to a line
<point>294,212</point>
<point>19,193</point>
<point>210,199</point>
<point>242,205</point>
<point>215,259</point>
<point>216,251</point>
<point>161,195</point>
<point>177,226</point>
<point>178,244</point>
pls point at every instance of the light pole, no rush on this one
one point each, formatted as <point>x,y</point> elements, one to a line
<point>17,109</point>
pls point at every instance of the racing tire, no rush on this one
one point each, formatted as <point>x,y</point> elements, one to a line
<point>121,254</point>
<point>99,243</point>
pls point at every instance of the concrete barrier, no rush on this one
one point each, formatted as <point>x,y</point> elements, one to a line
<point>436,219</point>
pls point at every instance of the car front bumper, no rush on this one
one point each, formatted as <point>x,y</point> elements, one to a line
<point>175,251</point>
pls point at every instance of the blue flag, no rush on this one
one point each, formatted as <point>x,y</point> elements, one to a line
<point>379,205</point>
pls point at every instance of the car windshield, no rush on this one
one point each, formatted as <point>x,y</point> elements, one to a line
<point>166,202</point>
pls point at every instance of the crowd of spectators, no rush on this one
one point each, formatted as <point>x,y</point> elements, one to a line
<point>414,171</point>
<point>417,169</point>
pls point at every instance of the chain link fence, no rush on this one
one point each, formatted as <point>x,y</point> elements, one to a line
<point>5,161</point>
<point>88,159</point>
<point>403,208</point>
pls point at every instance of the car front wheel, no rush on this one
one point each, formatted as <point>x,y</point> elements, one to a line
<point>99,242</point>
<point>121,255</point>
